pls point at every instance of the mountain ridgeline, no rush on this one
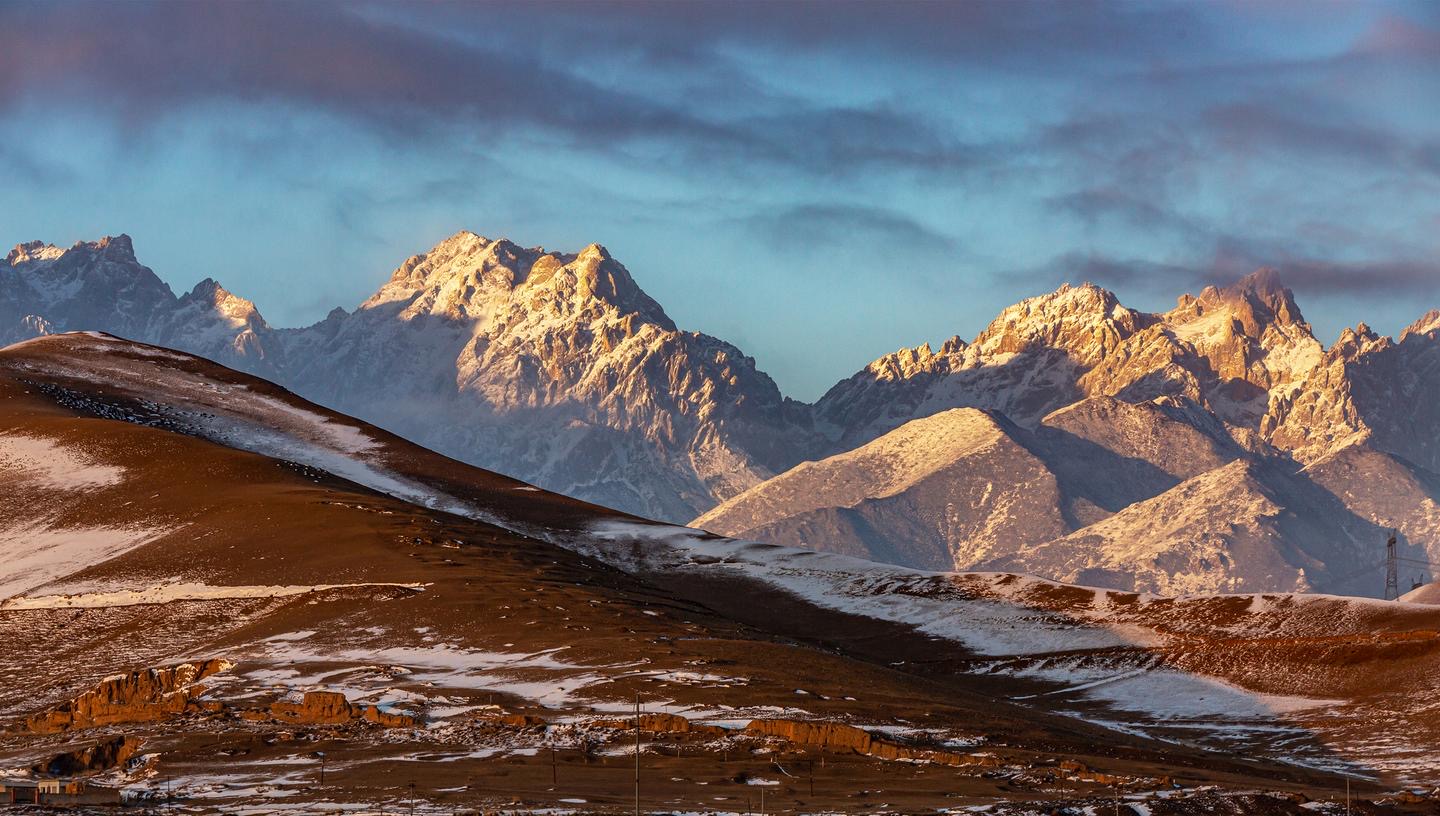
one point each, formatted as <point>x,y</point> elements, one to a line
<point>1215,447</point>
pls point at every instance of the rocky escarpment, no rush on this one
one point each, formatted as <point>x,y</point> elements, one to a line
<point>146,695</point>
<point>560,370</point>
<point>841,737</point>
<point>328,708</point>
<point>150,695</point>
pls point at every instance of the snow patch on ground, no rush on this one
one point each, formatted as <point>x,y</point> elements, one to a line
<point>33,555</point>
<point>169,593</point>
<point>44,463</point>
<point>926,600</point>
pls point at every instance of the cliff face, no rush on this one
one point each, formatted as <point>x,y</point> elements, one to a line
<point>146,695</point>
<point>330,708</point>
<point>150,695</point>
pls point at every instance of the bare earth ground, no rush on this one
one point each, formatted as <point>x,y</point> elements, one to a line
<point>515,657</point>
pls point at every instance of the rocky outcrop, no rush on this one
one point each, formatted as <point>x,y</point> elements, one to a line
<point>140,696</point>
<point>662,723</point>
<point>840,737</point>
<point>109,753</point>
<point>329,708</point>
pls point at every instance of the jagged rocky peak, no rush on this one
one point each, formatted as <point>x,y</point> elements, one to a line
<point>468,276</point>
<point>33,251</point>
<point>1428,324</point>
<point>908,362</point>
<point>118,248</point>
<point>210,294</point>
<point>578,283</point>
<point>112,247</point>
<point>1086,320</point>
<point>1254,302</point>
<point>457,270</point>
<point>1355,340</point>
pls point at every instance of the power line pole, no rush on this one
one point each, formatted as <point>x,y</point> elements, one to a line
<point>1392,576</point>
<point>637,754</point>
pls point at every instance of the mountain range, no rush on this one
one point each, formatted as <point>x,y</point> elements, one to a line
<point>1218,446</point>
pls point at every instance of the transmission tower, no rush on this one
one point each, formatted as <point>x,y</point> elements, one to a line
<point>1392,575</point>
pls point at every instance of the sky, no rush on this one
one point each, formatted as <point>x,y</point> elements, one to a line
<point>817,183</point>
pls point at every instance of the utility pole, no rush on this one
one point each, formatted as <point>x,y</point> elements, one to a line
<point>554,772</point>
<point>637,754</point>
<point>1392,577</point>
<point>1347,796</point>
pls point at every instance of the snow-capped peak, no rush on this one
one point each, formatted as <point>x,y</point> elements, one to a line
<point>33,251</point>
<point>1086,320</point>
<point>1428,323</point>
<point>210,295</point>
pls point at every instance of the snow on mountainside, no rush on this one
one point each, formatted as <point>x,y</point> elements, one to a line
<point>950,489</point>
<point>1136,460</point>
<point>1225,350</point>
<point>554,368</point>
<point>559,370</point>
<point>100,286</point>
<point>1103,492</point>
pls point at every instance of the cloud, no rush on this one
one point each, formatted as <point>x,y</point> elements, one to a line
<point>1378,278</point>
<point>34,170</point>
<point>141,61</point>
<point>395,72</point>
<point>1247,128</point>
<point>810,227</point>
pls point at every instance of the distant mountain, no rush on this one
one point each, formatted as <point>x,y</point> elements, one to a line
<point>554,368</point>
<point>1057,441</point>
<point>1215,447</point>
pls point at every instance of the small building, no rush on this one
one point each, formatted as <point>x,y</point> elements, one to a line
<point>19,792</point>
<point>55,791</point>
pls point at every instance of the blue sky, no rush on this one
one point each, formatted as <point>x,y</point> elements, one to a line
<point>817,183</point>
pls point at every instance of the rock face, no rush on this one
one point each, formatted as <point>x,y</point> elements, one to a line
<point>100,286</point>
<point>331,708</point>
<point>141,696</point>
<point>841,737</point>
<point>1367,389</point>
<point>1225,350</point>
<point>112,752</point>
<point>557,369</point>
